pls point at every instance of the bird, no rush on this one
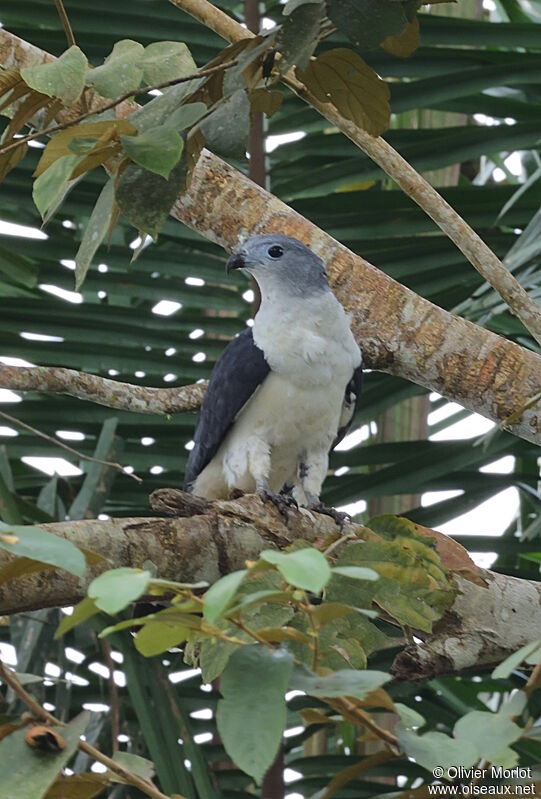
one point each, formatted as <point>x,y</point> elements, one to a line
<point>284,392</point>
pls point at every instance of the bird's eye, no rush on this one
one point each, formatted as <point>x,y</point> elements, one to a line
<point>275,251</point>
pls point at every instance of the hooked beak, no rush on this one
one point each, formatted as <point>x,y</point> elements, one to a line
<point>236,261</point>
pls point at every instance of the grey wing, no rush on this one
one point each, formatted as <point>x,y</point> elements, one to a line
<point>238,373</point>
<point>351,403</point>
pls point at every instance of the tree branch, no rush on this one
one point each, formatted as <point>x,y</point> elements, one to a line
<point>102,390</point>
<point>414,185</point>
<point>400,332</point>
<point>492,616</point>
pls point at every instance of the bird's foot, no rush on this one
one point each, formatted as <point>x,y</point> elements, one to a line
<point>339,517</point>
<point>284,502</point>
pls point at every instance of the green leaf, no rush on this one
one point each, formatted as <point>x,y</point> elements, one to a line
<point>121,72</point>
<point>157,149</point>
<point>115,589</point>
<point>213,658</point>
<point>145,198</point>
<point>164,61</point>
<point>227,128</point>
<point>52,184</point>
<point>469,743</point>
<point>409,717</point>
<point>38,544</point>
<point>97,227</point>
<point>252,714</point>
<point>81,612</point>
<point>135,764</point>
<point>530,652</point>
<point>157,637</point>
<point>305,568</point>
<point>434,749</point>
<point>356,572</point>
<point>220,595</point>
<point>346,682</point>
<point>27,774</point>
<point>342,78</point>
<point>367,22</point>
<point>186,116</point>
<point>472,728</point>
<point>63,78</point>
<point>298,36</point>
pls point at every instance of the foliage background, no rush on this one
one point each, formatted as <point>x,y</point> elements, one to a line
<point>466,100</point>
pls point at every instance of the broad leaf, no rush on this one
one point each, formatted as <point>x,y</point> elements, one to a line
<point>305,568</point>
<point>252,714</point>
<point>299,34</point>
<point>26,774</point>
<point>63,78</point>
<point>121,72</point>
<point>342,78</point>
<point>157,149</point>
<point>221,594</point>
<point>367,22</point>
<point>115,589</point>
<point>226,129</point>
<point>38,544</point>
<point>95,231</point>
<point>340,683</point>
<point>52,184</point>
<point>165,61</point>
<point>81,612</point>
<point>145,198</point>
<point>157,637</point>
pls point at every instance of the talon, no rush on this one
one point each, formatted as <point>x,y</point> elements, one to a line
<point>339,517</point>
<point>280,501</point>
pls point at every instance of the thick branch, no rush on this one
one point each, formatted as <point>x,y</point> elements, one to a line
<point>414,185</point>
<point>492,616</point>
<point>399,331</point>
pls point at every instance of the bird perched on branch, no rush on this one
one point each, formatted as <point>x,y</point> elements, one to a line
<point>284,392</point>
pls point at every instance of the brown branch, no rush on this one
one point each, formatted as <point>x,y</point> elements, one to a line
<point>492,616</point>
<point>356,714</point>
<point>10,678</point>
<point>57,443</point>
<point>68,123</point>
<point>113,694</point>
<point>65,22</point>
<point>414,185</point>
<point>102,390</point>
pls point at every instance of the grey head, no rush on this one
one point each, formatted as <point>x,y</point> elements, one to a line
<point>280,263</point>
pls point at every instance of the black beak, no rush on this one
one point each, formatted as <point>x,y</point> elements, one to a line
<point>236,261</point>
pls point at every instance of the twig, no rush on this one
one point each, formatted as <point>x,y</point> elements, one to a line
<point>65,22</point>
<point>10,678</point>
<point>468,242</point>
<point>56,442</point>
<point>347,708</point>
<point>126,96</point>
<point>113,694</point>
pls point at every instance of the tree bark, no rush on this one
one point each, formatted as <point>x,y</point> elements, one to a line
<point>492,616</point>
<point>399,332</point>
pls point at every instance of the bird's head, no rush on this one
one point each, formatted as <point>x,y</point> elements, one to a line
<point>277,261</point>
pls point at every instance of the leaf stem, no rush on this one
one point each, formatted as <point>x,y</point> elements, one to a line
<point>65,22</point>
<point>359,716</point>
